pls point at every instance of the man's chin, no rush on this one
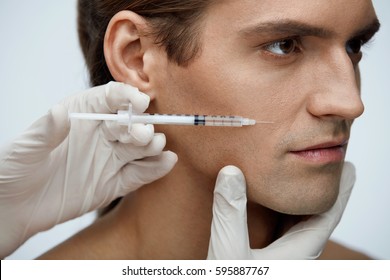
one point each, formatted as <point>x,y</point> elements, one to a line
<point>308,206</point>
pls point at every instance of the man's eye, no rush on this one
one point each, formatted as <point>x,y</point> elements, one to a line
<point>282,47</point>
<point>354,46</point>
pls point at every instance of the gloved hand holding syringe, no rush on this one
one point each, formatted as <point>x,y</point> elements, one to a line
<point>57,170</point>
<point>129,117</point>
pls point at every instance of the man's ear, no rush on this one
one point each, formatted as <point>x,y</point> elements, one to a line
<point>125,48</point>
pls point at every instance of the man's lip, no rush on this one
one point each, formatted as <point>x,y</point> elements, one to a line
<point>322,153</point>
<point>324,145</point>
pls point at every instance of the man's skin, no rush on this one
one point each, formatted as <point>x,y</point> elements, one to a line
<point>294,65</point>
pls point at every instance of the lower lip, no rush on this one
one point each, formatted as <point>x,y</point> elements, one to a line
<point>323,155</point>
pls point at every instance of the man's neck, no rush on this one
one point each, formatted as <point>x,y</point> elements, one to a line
<point>171,218</point>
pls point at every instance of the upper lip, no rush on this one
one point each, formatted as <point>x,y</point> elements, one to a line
<point>325,145</point>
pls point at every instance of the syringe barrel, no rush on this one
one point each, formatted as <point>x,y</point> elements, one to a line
<point>163,119</point>
<point>200,120</point>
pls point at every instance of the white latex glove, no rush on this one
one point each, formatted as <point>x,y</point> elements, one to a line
<point>56,171</point>
<point>229,230</point>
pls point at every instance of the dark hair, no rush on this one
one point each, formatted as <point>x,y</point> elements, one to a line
<point>174,23</point>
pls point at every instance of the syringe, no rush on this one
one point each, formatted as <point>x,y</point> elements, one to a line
<point>128,118</point>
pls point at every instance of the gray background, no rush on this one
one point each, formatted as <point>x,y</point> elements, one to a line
<point>40,64</point>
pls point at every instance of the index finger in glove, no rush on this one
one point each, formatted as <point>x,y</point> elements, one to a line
<point>229,232</point>
<point>307,239</point>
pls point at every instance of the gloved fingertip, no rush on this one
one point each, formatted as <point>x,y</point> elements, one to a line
<point>348,178</point>
<point>231,183</point>
<point>142,103</point>
<point>142,134</point>
<point>349,171</point>
<point>170,157</point>
<point>167,161</point>
<point>157,145</point>
<point>119,95</point>
<point>231,170</point>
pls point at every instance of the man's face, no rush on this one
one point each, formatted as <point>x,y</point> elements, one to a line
<point>294,64</point>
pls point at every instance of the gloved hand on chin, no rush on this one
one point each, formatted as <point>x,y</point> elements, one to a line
<point>229,229</point>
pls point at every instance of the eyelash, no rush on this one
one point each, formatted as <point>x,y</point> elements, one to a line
<point>294,48</point>
<point>357,56</point>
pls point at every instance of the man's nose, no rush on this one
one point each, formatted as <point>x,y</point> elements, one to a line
<point>337,90</point>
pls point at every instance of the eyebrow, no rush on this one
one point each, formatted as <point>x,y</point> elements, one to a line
<point>368,31</point>
<point>285,27</point>
<point>288,27</point>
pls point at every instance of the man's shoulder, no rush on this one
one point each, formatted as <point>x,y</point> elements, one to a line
<point>336,251</point>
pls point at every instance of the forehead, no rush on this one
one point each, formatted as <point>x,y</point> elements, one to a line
<point>336,16</point>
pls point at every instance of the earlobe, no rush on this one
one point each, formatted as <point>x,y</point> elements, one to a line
<point>125,48</point>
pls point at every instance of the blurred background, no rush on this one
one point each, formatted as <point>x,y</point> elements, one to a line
<point>41,63</point>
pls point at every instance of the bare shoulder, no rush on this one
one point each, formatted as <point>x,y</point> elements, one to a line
<point>336,251</point>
